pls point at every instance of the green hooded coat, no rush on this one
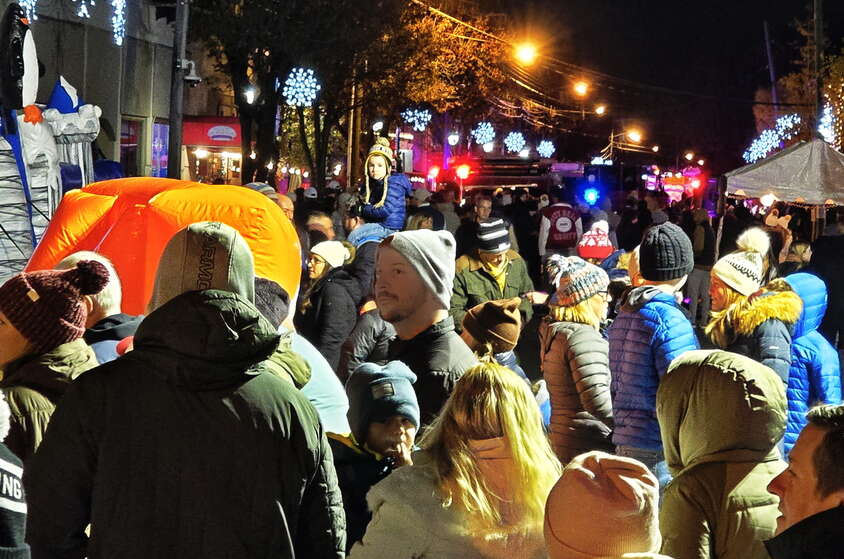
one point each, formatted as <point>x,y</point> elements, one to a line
<point>721,416</point>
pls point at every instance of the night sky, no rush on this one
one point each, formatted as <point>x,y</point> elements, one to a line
<point>713,48</point>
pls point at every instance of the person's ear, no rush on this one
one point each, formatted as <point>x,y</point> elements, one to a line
<point>89,304</point>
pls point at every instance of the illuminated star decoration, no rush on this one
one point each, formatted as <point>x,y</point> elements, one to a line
<point>546,148</point>
<point>83,8</point>
<point>514,142</point>
<point>772,138</point>
<point>301,87</point>
<point>29,8</point>
<point>826,126</point>
<point>118,21</point>
<point>483,133</point>
<point>418,118</point>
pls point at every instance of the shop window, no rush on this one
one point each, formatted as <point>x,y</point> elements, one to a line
<point>130,146</point>
<point>160,146</point>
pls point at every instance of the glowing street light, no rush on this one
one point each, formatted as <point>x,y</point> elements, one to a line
<point>378,125</point>
<point>634,136</point>
<point>488,147</point>
<point>655,149</point>
<point>453,138</point>
<point>689,156</point>
<point>581,88</point>
<point>601,110</point>
<point>249,94</point>
<point>701,162</point>
<point>526,53</point>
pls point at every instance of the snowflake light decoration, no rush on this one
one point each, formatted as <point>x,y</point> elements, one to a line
<point>772,138</point>
<point>546,148</point>
<point>826,127</point>
<point>29,8</point>
<point>118,21</point>
<point>418,118</point>
<point>301,87</point>
<point>83,8</point>
<point>514,142</point>
<point>483,133</point>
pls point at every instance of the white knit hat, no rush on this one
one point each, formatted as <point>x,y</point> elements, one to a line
<point>334,253</point>
<point>602,506</point>
<point>744,270</point>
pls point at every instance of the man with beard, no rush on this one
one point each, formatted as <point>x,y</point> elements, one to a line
<point>414,276</point>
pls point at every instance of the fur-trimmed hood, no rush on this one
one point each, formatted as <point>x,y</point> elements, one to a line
<point>785,306</point>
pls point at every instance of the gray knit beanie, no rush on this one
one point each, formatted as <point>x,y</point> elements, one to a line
<point>665,253</point>
<point>432,255</point>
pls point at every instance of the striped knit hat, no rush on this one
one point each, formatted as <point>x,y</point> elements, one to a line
<point>47,306</point>
<point>578,280</point>
<point>493,236</point>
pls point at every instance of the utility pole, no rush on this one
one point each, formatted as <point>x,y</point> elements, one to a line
<point>771,71</point>
<point>177,90</point>
<point>818,61</point>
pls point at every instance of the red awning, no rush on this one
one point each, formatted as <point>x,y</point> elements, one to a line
<point>211,131</point>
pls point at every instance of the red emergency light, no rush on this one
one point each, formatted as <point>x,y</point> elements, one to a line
<point>433,172</point>
<point>462,172</point>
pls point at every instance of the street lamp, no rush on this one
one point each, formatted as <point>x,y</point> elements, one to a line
<point>453,138</point>
<point>689,156</point>
<point>601,110</point>
<point>526,53</point>
<point>655,149</point>
<point>634,136</point>
<point>488,147</point>
<point>581,88</point>
<point>701,162</point>
<point>377,126</point>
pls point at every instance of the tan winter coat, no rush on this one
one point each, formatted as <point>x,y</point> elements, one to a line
<point>721,416</point>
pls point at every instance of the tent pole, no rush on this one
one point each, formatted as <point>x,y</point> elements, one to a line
<point>721,211</point>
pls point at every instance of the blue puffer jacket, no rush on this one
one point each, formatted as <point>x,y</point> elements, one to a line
<point>815,374</point>
<point>649,332</point>
<point>391,213</point>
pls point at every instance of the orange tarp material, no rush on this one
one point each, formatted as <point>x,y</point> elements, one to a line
<point>130,221</point>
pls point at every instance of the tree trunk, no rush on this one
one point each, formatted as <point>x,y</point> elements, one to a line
<point>303,137</point>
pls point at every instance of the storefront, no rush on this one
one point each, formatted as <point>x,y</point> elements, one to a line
<point>213,148</point>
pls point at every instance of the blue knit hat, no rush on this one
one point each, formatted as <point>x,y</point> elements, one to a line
<point>377,393</point>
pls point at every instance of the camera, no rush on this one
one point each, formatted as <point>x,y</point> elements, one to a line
<point>191,77</point>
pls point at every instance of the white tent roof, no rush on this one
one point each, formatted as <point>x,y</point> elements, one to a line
<point>805,173</point>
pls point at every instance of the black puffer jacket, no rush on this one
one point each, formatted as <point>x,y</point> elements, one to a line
<point>369,342</point>
<point>576,368</point>
<point>763,330</point>
<point>330,314</point>
<point>815,537</point>
<point>439,358</point>
<point>187,446</point>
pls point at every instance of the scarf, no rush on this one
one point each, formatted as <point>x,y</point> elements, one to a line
<point>498,273</point>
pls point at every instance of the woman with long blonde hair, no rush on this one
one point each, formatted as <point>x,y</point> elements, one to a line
<point>478,487</point>
<point>575,360</point>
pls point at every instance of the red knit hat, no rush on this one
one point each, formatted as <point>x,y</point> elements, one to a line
<point>596,242</point>
<point>47,306</point>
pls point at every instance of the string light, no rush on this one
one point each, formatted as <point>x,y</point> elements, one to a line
<point>118,21</point>
<point>546,148</point>
<point>83,8</point>
<point>483,133</point>
<point>514,142</point>
<point>418,118</point>
<point>301,87</point>
<point>29,7</point>
<point>772,138</point>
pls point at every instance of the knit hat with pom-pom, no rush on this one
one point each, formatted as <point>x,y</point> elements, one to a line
<point>744,270</point>
<point>47,306</point>
<point>578,280</point>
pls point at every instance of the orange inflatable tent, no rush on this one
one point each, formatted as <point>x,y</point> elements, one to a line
<point>130,221</point>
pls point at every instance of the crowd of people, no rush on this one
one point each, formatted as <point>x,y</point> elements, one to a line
<point>512,376</point>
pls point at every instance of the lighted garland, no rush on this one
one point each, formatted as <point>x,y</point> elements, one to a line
<point>546,148</point>
<point>514,142</point>
<point>118,21</point>
<point>418,118</point>
<point>826,126</point>
<point>483,133</point>
<point>83,8</point>
<point>29,8</point>
<point>772,138</point>
<point>301,87</point>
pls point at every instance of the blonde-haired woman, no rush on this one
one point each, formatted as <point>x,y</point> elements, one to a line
<point>575,361</point>
<point>478,487</point>
<point>747,319</point>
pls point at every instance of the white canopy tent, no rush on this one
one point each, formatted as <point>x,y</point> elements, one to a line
<point>807,173</point>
